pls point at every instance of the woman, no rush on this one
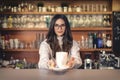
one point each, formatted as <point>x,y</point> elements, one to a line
<point>59,38</point>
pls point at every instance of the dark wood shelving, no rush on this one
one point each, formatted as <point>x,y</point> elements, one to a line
<point>22,50</point>
<point>23,29</point>
<point>92,29</point>
<point>97,49</point>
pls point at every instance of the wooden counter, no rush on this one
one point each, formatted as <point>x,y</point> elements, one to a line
<point>75,74</point>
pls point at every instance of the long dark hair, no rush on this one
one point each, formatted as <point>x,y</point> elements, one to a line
<point>52,37</point>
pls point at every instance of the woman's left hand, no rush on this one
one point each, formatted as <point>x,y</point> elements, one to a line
<point>71,62</point>
<point>51,64</point>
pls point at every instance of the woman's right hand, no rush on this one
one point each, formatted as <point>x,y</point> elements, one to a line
<point>51,64</point>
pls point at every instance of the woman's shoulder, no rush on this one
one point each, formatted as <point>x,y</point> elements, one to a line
<point>75,42</point>
<point>44,42</point>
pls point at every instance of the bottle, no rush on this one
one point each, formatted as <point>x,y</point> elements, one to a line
<point>108,41</point>
<point>108,20</point>
<point>69,9</point>
<point>10,21</point>
<point>3,42</point>
<point>94,40</point>
<point>25,63</point>
<point>4,24</point>
<point>81,21</point>
<point>99,41</point>
<point>90,40</point>
<point>86,43</point>
<point>87,22</point>
<point>104,20</point>
<point>82,42</point>
<point>104,39</point>
<point>74,21</point>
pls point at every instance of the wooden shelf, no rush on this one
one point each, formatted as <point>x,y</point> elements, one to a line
<point>92,29</point>
<point>36,50</point>
<point>18,50</point>
<point>50,13</point>
<point>100,49</point>
<point>23,29</point>
<point>45,29</point>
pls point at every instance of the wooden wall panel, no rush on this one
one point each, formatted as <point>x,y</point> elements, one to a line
<point>116,5</point>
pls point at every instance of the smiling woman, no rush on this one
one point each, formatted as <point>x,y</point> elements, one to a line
<point>59,39</point>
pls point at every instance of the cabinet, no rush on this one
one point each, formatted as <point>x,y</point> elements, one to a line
<point>96,17</point>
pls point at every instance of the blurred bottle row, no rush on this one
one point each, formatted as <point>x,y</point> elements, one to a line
<point>43,21</point>
<point>96,40</point>
<point>7,42</point>
<point>63,7</point>
<point>92,40</point>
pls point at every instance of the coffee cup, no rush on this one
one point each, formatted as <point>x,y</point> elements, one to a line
<point>61,59</point>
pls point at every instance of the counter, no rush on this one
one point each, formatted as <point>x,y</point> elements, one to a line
<point>75,74</point>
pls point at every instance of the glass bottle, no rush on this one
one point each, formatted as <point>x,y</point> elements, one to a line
<point>77,20</point>
<point>4,24</point>
<point>87,22</point>
<point>84,20</point>
<point>10,21</point>
<point>86,43</point>
<point>93,21</point>
<point>90,40</point>
<point>94,40</point>
<point>108,41</point>
<point>108,20</point>
<point>3,42</point>
<point>78,9</point>
<point>82,42</point>
<point>104,8</point>
<point>104,39</point>
<point>100,19</point>
<point>80,21</point>
<point>104,20</point>
<point>69,9</point>
<point>71,20</point>
<point>99,41</point>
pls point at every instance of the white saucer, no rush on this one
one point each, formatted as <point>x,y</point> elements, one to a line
<point>60,69</point>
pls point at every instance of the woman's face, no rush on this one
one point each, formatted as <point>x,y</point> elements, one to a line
<point>59,27</point>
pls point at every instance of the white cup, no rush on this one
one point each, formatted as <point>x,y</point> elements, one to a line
<point>61,59</point>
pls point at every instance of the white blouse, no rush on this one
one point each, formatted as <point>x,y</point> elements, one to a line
<point>45,52</point>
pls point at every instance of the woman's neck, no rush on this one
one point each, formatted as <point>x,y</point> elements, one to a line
<point>60,41</point>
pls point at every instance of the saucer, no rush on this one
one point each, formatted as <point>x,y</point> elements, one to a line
<point>60,69</point>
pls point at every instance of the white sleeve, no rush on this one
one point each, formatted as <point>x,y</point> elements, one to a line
<point>75,52</point>
<point>43,55</point>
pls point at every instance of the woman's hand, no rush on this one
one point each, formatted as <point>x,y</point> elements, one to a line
<point>71,62</point>
<point>51,64</point>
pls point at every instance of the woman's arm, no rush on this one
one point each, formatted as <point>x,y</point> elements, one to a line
<point>75,53</point>
<point>43,55</point>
